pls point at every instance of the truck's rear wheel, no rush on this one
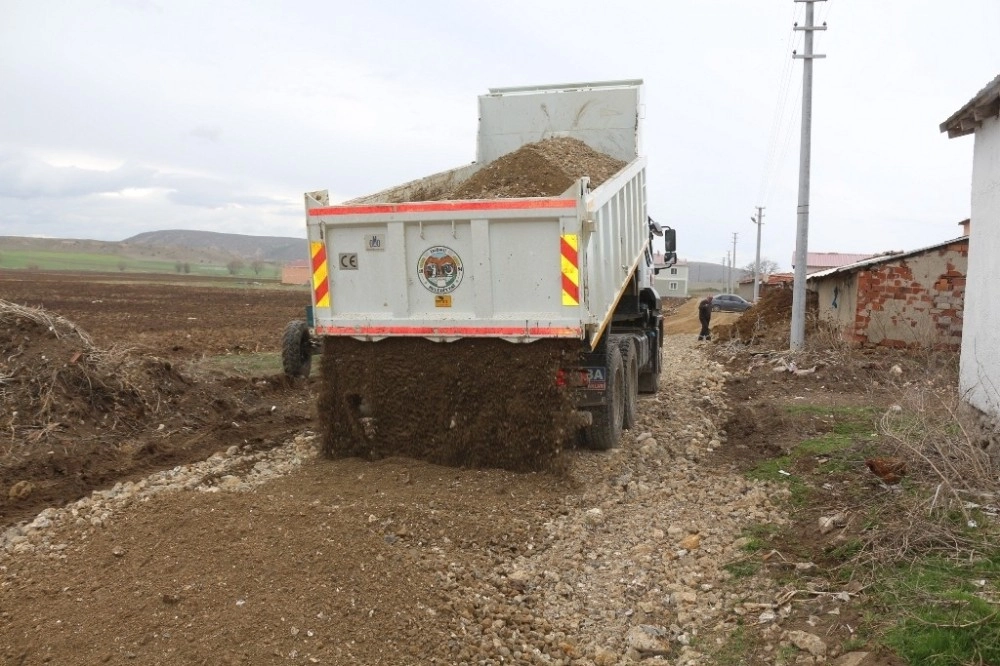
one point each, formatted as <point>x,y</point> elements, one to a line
<point>296,349</point>
<point>630,363</point>
<point>606,430</point>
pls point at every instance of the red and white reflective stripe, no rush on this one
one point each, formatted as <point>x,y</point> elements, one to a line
<point>569,258</point>
<point>453,331</point>
<point>445,207</point>
<point>320,275</point>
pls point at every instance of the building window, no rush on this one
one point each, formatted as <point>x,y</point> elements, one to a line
<point>673,271</point>
<point>673,286</point>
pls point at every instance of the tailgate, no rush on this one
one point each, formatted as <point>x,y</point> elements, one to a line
<point>503,268</point>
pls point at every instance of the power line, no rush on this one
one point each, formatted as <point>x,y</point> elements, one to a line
<point>780,107</point>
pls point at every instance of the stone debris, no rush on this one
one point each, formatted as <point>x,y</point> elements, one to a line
<point>631,568</point>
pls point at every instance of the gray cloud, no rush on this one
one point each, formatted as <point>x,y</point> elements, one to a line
<point>25,177</point>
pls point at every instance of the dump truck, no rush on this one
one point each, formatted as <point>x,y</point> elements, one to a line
<point>448,324</point>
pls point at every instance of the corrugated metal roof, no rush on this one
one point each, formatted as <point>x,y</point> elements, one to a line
<point>832,259</point>
<point>985,104</point>
<point>881,259</point>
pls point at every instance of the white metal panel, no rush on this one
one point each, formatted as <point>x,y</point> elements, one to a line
<point>604,116</point>
<point>618,241</point>
<point>526,280</point>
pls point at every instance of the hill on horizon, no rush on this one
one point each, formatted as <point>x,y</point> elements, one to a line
<point>277,249</point>
<point>701,272</point>
<point>167,251</point>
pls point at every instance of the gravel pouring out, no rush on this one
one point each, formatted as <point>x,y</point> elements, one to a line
<point>474,402</point>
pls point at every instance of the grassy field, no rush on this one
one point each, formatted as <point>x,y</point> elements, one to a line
<point>81,261</point>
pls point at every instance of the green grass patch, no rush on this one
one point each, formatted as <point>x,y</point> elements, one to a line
<point>742,568</point>
<point>851,426</point>
<point>251,365</point>
<point>54,260</point>
<point>945,612</point>
<point>738,648</point>
<point>263,363</point>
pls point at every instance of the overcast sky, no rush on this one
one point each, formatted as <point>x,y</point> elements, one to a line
<point>118,117</point>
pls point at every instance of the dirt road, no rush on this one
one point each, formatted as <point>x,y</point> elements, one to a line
<point>267,554</point>
<point>685,319</point>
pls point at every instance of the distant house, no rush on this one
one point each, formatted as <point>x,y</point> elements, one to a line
<point>768,283</point>
<point>673,281</point>
<point>979,367</point>
<point>908,299</point>
<point>821,261</point>
<point>296,272</point>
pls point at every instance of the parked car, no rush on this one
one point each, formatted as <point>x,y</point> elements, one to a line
<point>729,303</point>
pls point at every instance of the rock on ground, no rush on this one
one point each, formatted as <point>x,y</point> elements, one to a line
<point>284,557</point>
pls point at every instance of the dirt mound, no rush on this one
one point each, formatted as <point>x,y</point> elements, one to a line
<point>543,169</point>
<point>78,416</point>
<point>55,378</point>
<point>474,403</point>
<point>768,321</point>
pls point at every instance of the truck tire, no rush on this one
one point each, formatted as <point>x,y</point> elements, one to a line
<point>296,349</point>
<point>606,430</point>
<point>630,364</point>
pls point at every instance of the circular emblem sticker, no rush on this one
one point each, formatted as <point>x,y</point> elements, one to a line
<point>440,269</point>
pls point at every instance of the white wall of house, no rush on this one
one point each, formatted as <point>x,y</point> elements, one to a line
<point>672,282</point>
<point>979,368</point>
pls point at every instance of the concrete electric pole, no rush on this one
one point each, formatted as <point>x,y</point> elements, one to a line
<point>798,333</point>
<point>759,221</point>
<point>726,272</point>
<point>732,288</point>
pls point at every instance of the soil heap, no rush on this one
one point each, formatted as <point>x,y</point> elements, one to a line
<point>543,169</point>
<point>78,416</point>
<point>768,321</point>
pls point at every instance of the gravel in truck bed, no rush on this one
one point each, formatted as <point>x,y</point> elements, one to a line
<point>543,169</point>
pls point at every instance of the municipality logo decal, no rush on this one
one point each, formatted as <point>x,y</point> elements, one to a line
<point>440,269</point>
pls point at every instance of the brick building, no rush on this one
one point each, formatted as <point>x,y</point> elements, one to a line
<point>296,272</point>
<point>910,299</point>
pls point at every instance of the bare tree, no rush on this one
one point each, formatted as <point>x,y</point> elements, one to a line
<point>767,267</point>
<point>257,265</point>
<point>235,266</point>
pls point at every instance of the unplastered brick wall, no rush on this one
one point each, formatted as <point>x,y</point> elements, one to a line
<point>913,302</point>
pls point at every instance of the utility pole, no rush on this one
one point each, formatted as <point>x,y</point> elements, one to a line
<point>759,221</point>
<point>725,273</point>
<point>798,333</point>
<point>732,287</point>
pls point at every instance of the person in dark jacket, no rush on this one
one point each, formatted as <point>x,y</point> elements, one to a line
<point>705,317</point>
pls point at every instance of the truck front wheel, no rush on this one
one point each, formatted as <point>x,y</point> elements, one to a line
<point>296,349</point>
<point>606,429</point>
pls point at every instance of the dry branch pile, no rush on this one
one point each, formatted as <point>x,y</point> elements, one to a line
<point>53,378</point>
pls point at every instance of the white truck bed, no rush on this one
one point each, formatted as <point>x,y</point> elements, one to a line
<point>518,269</point>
